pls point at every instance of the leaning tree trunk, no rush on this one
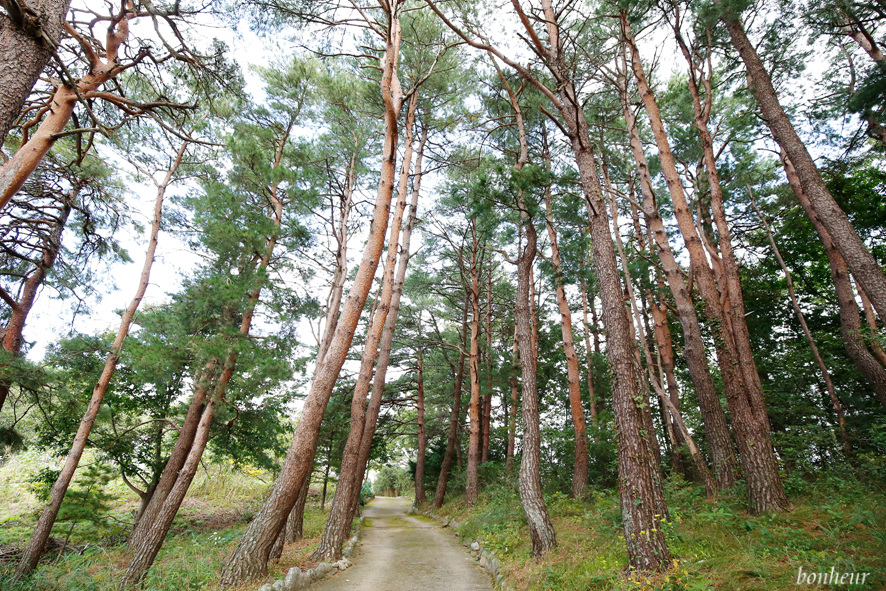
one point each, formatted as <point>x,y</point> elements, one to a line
<point>713,417</point>
<point>27,41</point>
<point>672,408</point>
<point>642,498</point>
<point>850,320</point>
<point>144,554</point>
<point>338,524</point>
<point>825,374</point>
<point>35,547</point>
<point>249,560</point>
<point>177,457</point>
<point>13,335</point>
<point>384,353</point>
<point>850,246</point>
<point>23,163</point>
<point>764,489</point>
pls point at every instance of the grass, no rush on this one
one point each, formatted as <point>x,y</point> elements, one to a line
<point>716,545</point>
<point>220,503</point>
<point>837,521</point>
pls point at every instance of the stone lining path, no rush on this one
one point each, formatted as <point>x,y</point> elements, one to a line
<point>399,552</point>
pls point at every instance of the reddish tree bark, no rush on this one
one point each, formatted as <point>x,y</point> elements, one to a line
<point>743,393</point>
<point>541,530</point>
<point>825,374</point>
<point>487,399</point>
<point>642,498</point>
<point>250,558</point>
<point>471,488</point>
<point>850,320</point>
<point>716,429</point>
<point>19,168</point>
<point>13,335</point>
<point>338,524</point>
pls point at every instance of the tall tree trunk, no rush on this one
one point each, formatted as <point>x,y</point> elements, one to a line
<point>825,374</point>
<point>850,320</point>
<point>751,426</point>
<point>471,488</point>
<point>177,457</point>
<point>420,499</point>
<point>673,410</point>
<point>639,480</point>
<point>23,163</point>
<point>665,347</point>
<point>13,335</point>
<point>452,438</point>
<point>630,301</point>
<point>333,310</point>
<point>146,551</point>
<point>27,41</point>
<point>642,503</point>
<point>333,302</point>
<point>338,524</point>
<point>295,521</point>
<point>580,473</point>
<point>249,560</point>
<point>541,530</point>
<point>384,354</point>
<point>713,417</point>
<point>850,246</point>
<point>34,550</point>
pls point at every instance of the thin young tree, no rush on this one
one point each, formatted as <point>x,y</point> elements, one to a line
<point>34,550</point>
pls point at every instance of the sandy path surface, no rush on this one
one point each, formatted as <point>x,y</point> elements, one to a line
<point>399,552</point>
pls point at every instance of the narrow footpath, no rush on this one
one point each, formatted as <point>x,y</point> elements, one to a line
<point>399,552</point>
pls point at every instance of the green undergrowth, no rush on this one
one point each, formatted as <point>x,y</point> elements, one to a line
<point>836,522</point>
<point>219,505</point>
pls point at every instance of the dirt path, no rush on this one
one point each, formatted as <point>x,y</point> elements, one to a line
<point>399,552</point>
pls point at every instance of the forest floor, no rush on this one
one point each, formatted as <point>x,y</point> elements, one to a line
<point>400,552</point>
<point>836,522</point>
